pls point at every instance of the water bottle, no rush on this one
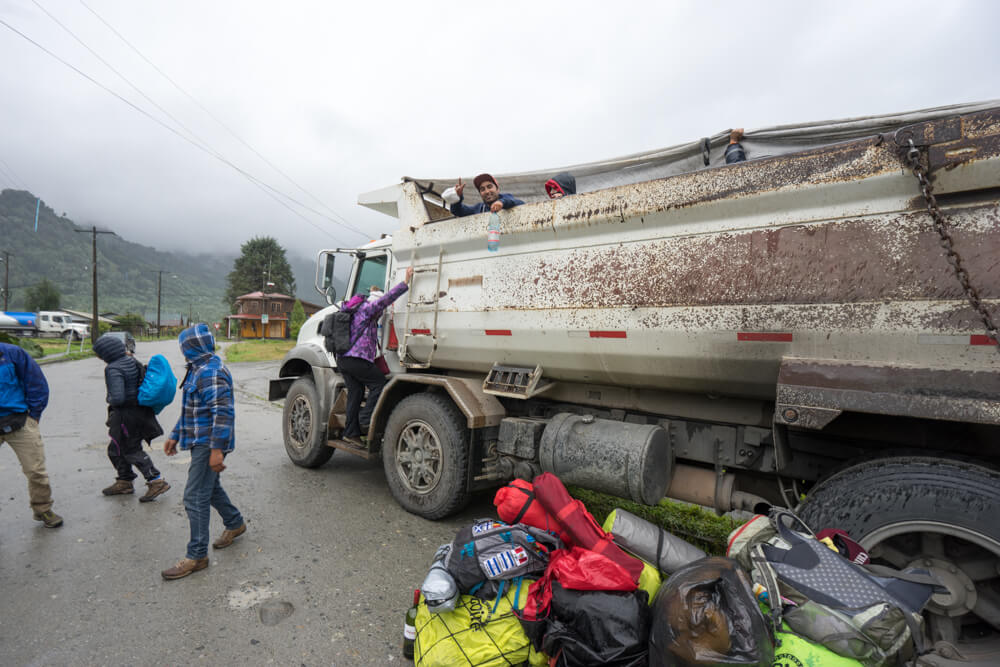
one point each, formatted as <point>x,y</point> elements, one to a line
<point>410,627</point>
<point>493,233</point>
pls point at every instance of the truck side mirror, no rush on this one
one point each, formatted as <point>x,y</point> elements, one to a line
<point>324,275</point>
<point>331,295</point>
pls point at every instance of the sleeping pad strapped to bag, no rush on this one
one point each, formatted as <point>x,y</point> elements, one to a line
<point>581,527</point>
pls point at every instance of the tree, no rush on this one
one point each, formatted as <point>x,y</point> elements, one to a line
<point>43,296</point>
<point>297,319</point>
<point>261,260</point>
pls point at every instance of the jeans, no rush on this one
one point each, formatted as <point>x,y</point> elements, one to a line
<point>358,374</point>
<point>204,491</point>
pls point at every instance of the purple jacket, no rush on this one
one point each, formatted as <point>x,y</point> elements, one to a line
<point>364,326</point>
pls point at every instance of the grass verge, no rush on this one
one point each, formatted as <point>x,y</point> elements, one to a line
<point>699,526</point>
<point>258,350</point>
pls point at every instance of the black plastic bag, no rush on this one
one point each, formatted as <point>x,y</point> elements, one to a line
<point>704,615</point>
<point>593,628</point>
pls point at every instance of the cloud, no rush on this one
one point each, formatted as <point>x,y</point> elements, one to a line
<point>348,97</point>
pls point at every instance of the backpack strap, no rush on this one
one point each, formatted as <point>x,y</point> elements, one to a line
<point>527,503</point>
<point>354,340</point>
<point>769,581</point>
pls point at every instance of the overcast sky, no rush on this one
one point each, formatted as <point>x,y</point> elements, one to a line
<point>347,97</point>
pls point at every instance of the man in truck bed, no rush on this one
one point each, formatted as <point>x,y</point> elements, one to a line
<point>489,190</point>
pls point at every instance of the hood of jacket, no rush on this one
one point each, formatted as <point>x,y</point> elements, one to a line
<point>566,181</point>
<point>109,348</point>
<point>197,343</point>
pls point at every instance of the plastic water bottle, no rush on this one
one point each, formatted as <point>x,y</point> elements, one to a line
<point>493,233</point>
<point>410,627</point>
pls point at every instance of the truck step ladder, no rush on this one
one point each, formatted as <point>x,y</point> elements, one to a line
<point>515,382</point>
<point>412,306</point>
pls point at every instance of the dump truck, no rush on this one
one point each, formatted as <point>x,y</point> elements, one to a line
<point>814,327</point>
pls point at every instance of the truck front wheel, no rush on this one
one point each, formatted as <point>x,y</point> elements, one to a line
<point>935,514</point>
<point>426,456</point>
<point>303,427</point>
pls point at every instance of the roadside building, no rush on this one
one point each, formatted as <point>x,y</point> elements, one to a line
<point>264,315</point>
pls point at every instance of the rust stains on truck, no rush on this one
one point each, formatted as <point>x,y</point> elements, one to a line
<point>844,262</point>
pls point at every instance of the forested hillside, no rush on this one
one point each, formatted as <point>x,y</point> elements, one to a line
<point>194,283</point>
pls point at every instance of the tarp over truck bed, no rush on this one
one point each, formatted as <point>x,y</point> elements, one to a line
<point>688,157</point>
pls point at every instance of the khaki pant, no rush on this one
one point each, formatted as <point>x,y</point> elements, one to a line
<point>27,445</point>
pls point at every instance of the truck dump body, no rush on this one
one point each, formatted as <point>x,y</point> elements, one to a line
<point>708,282</point>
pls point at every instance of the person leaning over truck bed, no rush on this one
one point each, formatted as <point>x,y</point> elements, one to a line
<point>489,190</point>
<point>24,393</point>
<point>561,185</point>
<point>734,151</point>
<point>357,365</point>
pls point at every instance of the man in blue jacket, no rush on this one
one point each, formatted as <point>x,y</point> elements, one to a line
<point>206,427</point>
<point>489,190</point>
<point>24,393</point>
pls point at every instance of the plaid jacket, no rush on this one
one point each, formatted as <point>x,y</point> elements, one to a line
<point>208,412</point>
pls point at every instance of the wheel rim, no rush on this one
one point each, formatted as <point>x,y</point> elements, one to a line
<point>299,422</point>
<point>965,621</point>
<point>418,457</point>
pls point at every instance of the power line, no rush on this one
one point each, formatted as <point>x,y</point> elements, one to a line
<point>195,139</point>
<point>211,115</point>
<point>11,175</point>
<point>260,184</point>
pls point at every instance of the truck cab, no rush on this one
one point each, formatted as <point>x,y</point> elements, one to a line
<point>55,323</point>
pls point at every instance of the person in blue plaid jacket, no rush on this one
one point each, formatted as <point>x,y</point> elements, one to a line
<point>206,428</point>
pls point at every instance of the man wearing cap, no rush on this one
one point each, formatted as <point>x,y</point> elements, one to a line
<point>489,190</point>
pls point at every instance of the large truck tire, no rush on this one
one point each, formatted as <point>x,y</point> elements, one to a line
<point>303,428</point>
<point>937,514</point>
<point>426,456</point>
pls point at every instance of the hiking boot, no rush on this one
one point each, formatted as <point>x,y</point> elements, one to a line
<point>153,489</point>
<point>355,440</point>
<point>228,536</point>
<point>120,487</point>
<point>184,567</point>
<point>49,519</point>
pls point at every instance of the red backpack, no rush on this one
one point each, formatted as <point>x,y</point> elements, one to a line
<point>579,525</point>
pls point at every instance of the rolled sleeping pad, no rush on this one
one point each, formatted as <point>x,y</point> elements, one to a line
<point>650,542</point>
<point>439,588</point>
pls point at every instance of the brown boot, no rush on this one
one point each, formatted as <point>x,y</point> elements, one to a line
<point>153,489</point>
<point>120,487</point>
<point>184,567</point>
<point>228,536</point>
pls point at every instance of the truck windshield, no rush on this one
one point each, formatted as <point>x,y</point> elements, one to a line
<point>371,272</point>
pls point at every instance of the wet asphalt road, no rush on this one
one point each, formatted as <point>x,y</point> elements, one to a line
<point>330,542</point>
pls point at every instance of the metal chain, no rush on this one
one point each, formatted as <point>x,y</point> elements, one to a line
<point>912,157</point>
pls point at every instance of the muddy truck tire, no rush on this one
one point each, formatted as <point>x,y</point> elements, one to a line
<point>303,427</point>
<point>426,456</point>
<point>932,513</point>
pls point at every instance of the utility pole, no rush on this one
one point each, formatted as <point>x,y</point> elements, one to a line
<point>159,290</point>
<point>94,327</point>
<point>6,278</point>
